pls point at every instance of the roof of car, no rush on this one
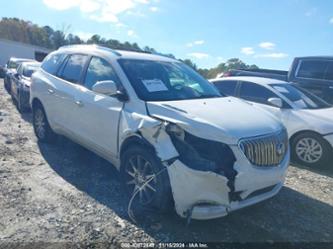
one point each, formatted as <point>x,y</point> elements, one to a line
<point>31,63</point>
<point>114,53</point>
<point>316,57</point>
<point>14,59</point>
<point>257,80</point>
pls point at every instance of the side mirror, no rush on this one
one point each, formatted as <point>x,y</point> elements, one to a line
<point>277,102</point>
<point>109,87</point>
<point>17,75</point>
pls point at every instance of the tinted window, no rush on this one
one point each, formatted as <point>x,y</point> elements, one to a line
<point>162,81</point>
<point>52,63</point>
<point>312,69</point>
<point>226,87</point>
<point>99,70</point>
<point>329,71</point>
<point>256,93</point>
<point>72,71</point>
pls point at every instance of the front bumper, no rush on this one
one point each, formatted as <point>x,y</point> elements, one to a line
<point>204,212</point>
<point>205,195</point>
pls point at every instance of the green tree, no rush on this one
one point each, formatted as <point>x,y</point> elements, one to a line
<point>24,31</point>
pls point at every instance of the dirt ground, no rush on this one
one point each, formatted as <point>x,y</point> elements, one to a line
<point>64,193</point>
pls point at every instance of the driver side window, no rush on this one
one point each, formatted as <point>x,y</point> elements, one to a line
<point>99,70</point>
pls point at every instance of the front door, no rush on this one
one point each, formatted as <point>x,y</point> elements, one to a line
<point>97,115</point>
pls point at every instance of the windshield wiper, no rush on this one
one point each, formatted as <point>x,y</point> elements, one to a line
<point>206,96</point>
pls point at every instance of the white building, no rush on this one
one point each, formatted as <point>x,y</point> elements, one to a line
<point>20,50</point>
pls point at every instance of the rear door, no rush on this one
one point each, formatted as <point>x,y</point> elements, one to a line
<point>66,87</point>
<point>96,116</point>
<point>16,81</point>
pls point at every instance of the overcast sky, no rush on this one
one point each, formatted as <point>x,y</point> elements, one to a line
<point>266,33</point>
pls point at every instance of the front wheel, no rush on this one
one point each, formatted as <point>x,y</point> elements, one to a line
<point>41,125</point>
<point>139,165</point>
<point>311,150</point>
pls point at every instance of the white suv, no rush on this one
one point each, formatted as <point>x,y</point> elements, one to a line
<point>171,134</point>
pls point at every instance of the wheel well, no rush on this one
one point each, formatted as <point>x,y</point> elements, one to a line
<point>307,131</point>
<point>36,102</point>
<point>134,140</point>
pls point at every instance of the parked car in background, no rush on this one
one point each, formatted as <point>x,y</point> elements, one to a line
<point>2,71</point>
<point>168,130</point>
<point>308,118</point>
<point>11,69</point>
<point>314,73</point>
<point>20,84</point>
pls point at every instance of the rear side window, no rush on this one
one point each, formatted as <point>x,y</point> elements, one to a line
<point>256,93</point>
<point>312,69</point>
<point>73,69</point>
<point>52,63</point>
<point>99,70</point>
<point>226,87</point>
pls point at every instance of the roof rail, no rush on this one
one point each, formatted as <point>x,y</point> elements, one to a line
<point>91,45</point>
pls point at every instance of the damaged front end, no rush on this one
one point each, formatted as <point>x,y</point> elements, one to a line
<point>209,178</point>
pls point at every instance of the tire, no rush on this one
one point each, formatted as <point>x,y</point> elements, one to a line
<point>310,149</point>
<point>42,128</point>
<point>157,193</point>
<point>20,106</point>
<point>5,81</point>
<point>8,85</point>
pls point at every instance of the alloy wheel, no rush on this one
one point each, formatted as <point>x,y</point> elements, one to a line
<point>40,124</point>
<point>138,172</point>
<point>309,150</point>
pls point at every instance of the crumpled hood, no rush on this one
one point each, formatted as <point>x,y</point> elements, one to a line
<point>320,119</point>
<point>221,119</point>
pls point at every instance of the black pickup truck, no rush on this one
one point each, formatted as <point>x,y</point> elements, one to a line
<point>314,73</point>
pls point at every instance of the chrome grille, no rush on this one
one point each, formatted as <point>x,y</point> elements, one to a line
<point>266,151</point>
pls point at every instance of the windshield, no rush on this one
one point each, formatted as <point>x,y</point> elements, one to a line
<point>300,97</point>
<point>163,81</point>
<point>12,65</point>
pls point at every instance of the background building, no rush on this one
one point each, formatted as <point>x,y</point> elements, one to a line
<point>20,50</point>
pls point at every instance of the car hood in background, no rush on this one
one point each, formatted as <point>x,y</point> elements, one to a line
<point>221,119</point>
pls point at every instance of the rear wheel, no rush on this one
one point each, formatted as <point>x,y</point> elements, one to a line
<point>6,84</point>
<point>20,104</point>
<point>41,125</point>
<point>139,165</point>
<point>311,150</point>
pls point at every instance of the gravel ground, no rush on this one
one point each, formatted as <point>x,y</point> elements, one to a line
<point>64,193</point>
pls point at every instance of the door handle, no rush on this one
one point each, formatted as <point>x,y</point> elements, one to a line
<point>79,103</point>
<point>50,91</point>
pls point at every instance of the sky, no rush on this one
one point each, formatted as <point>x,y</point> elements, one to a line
<point>266,33</point>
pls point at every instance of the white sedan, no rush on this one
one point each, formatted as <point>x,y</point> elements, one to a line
<point>308,119</point>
